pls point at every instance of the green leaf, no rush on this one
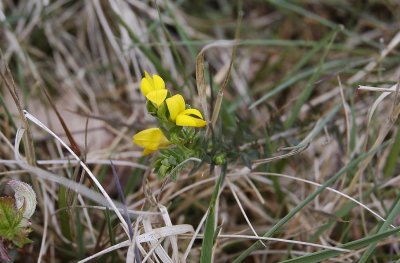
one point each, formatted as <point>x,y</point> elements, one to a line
<point>64,215</point>
<point>9,218</point>
<point>391,160</point>
<point>11,221</point>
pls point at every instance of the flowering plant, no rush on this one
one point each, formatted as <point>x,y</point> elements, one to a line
<point>175,136</point>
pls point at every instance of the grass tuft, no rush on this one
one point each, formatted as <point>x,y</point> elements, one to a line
<point>301,100</point>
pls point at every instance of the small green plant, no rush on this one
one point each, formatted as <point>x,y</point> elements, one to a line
<point>15,213</point>
<point>176,136</point>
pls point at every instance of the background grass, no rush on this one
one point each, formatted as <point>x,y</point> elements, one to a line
<point>292,121</point>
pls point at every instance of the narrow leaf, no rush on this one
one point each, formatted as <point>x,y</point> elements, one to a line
<point>357,244</point>
<point>208,241</point>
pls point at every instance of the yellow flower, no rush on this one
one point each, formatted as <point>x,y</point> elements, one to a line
<point>153,88</point>
<point>151,140</point>
<point>182,116</point>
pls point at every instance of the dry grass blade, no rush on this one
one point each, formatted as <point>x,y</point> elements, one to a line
<point>233,189</point>
<point>302,96</point>
<point>373,64</point>
<point>384,130</point>
<point>280,240</point>
<point>107,250</point>
<point>254,176</point>
<point>92,177</point>
<point>45,226</point>
<point>220,95</point>
<point>74,145</point>
<point>8,80</point>
<point>201,84</point>
<point>280,157</point>
<point>200,78</point>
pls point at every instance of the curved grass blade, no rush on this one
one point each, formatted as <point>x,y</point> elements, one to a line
<point>394,212</point>
<point>308,199</point>
<point>357,244</point>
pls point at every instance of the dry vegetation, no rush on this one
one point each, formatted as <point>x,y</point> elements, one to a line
<point>293,116</point>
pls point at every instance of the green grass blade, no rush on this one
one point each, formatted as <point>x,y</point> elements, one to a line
<point>353,128</point>
<point>111,232</point>
<point>357,244</point>
<point>308,199</point>
<point>180,30</point>
<point>297,9</point>
<point>172,45</point>
<point>270,147</point>
<point>209,231</point>
<point>394,212</point>
<point>64,215</point>
<point>317,46</point>
<point>310,54</point>
<point>392,158</point>
<point>7,112</point>
<point>148,52</point>
<point>304,12</point>
<point>135,179</point>
<point>251,42</point>
<point>306,93</point>
<point>344,64</point>
<point>79,237</point>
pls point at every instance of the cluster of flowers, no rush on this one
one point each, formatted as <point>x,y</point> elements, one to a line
<point>170,111</point>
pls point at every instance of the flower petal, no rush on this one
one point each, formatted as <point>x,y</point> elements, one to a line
<point>176,105</point>
<point>187,120</point>
<point>149,83</point>
<point>147,75</point>
<point>145,86</point>
<point>194,112</point>
<point>157,96</point>
<point>150,139</point>
<point>147,151</point>
<point>158,82</point>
